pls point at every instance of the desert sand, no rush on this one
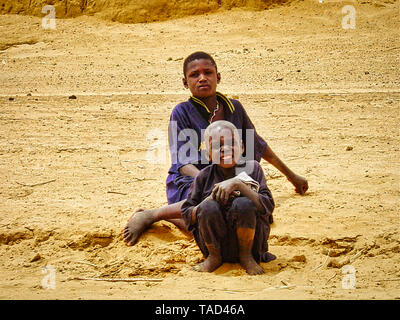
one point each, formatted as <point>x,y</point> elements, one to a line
<point>73,171</point>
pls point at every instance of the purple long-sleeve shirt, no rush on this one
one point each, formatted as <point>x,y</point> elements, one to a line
<point>188,121</point>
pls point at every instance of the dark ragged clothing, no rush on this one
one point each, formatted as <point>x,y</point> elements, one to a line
<point>217,224</point>
<point>194,114</point>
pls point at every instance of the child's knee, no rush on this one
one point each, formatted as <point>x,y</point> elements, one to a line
<point>243,205</point>
<point>208,210</point>
<point>243,212</point>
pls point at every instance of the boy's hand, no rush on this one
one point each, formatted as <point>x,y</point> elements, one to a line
<point>300,184</point>
<point>223,190</point>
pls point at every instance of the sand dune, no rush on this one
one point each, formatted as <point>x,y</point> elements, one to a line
<point>131,11</point>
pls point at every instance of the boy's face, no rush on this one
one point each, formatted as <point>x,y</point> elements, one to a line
<point>224,148</point>
<point>201,78</point>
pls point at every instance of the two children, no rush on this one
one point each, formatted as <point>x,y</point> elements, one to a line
<point>206,106</point>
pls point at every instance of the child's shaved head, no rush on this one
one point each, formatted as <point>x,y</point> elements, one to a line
<point>222,141</point>
<point>197,56</point>
<point>218,126</point>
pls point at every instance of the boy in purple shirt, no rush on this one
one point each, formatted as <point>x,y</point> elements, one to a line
<point>188,120</point>
<point>228,210</point>
<point>194,115</point>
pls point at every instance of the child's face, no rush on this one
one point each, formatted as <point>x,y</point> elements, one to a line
<point>201,78</point>
<point>227,152</point>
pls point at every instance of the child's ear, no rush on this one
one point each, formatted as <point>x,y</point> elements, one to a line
<point>218,77</point>
<point>208,154</point>
<point>185,84</point>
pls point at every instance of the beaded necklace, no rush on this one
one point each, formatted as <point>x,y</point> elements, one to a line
<point>215,111</point>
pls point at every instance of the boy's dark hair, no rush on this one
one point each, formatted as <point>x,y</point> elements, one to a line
<point>196,56</point>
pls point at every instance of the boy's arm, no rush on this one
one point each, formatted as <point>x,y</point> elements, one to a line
<point>193,200</point>
<point>194,210</point>
<point>189,170</point>
<point>223,190</point>
<point>262,149</point>
<point>246,191</point>
<point>188,211</point>
<point>262,198</point>
<point>179,123</point>
<point>299,182</point>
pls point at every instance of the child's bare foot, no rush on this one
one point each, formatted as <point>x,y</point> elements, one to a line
<point>250,265</point>
<point>137,224</point>
<point>213,261</point>
<point>210,264</point>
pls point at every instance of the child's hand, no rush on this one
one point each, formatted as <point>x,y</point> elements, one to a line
<point>300,184</point>
<point>223,190</point>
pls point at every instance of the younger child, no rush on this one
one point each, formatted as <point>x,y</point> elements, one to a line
<point>228,210</point>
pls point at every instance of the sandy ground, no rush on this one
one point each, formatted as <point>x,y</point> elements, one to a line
<point>73,170</point>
